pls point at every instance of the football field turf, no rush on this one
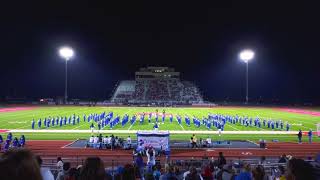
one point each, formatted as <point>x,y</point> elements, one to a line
<point>21,120</point>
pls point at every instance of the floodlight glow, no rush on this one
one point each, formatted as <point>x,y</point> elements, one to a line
<point>66,53</point>
<point>246,55</point>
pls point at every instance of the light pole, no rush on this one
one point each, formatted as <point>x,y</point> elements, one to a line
<point>66,53</point>
<point>246,56</point>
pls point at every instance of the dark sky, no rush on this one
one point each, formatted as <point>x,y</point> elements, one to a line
<point>201,40</point>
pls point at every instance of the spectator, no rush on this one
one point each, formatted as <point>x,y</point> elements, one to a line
<point>72,174</point>
<point>19,164</point>
<point>65,169</point>
<point>128,172</point>
<point>177,172</point>
<point>298,169</point>
<point>282,173</point>
<point>151,157</point>
<point>169,173</point>
<point>258,173</point>
<point>226,173</point>
<point>221,160</point>
<point>157,172</point>
<point>44,171</point>
<point>140,164</point>
<point>263,160</point>
<point>59,164</point>
<point>283,159</point>
<point>245,174</point>
<point>149,176</point>
<point>206,173</point>
<point>93,169</point>
<point>193,174</point>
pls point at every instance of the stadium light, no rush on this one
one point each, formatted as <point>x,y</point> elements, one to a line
<point>66,53</point>
<point>246,56</point>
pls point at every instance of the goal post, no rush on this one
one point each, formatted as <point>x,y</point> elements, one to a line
<point>318,129</point>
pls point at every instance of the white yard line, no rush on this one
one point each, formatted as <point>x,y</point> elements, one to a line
<point>233,127</point>
<point>181,126</point>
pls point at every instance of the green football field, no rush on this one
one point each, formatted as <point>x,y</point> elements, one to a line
<point>21,120</point>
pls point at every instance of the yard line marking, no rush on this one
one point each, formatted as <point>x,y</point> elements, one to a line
<point>233,127</point>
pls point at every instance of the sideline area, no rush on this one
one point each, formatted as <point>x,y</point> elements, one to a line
<point>135,131</point>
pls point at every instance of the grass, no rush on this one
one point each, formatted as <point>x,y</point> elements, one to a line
<point>22,120</point>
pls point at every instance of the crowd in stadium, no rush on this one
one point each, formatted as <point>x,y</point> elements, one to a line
<point>23,164</point>
<point>159,90</point>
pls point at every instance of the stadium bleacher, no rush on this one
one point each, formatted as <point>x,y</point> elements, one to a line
<point>157,85</point>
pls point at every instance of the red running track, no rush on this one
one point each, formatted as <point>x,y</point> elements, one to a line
<point>53,149</point>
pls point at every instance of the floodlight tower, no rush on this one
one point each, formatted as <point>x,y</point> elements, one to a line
<point>66,53</point>
<point>246,56</point>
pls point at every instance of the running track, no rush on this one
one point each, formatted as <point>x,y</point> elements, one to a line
<point>53,149</point>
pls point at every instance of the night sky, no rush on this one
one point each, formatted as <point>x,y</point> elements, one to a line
<point>200,40</point>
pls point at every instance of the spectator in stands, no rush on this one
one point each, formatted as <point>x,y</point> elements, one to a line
<point>59,164</point>
<point>151,154</point>
<point>221,160</point>
<point>206,173</point>
<point>45,172</point>
<point>298,169</point>
<point>19,164</point>
<point>226,172</point>
<point>128,172</point>
<point>93,169</point>
<point>157,171</point>
<point>192,174</point>
<point>258,173</point>
<point>245,174</point>
<point>283,159</point>
<point>169,173</point>
<point>282,173</point>
<point>300,136</point>
<point>73,174</point>
<point>140,164</point>
<point>177,172</point>
<point>263,160</point>
<point>65,169</point>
